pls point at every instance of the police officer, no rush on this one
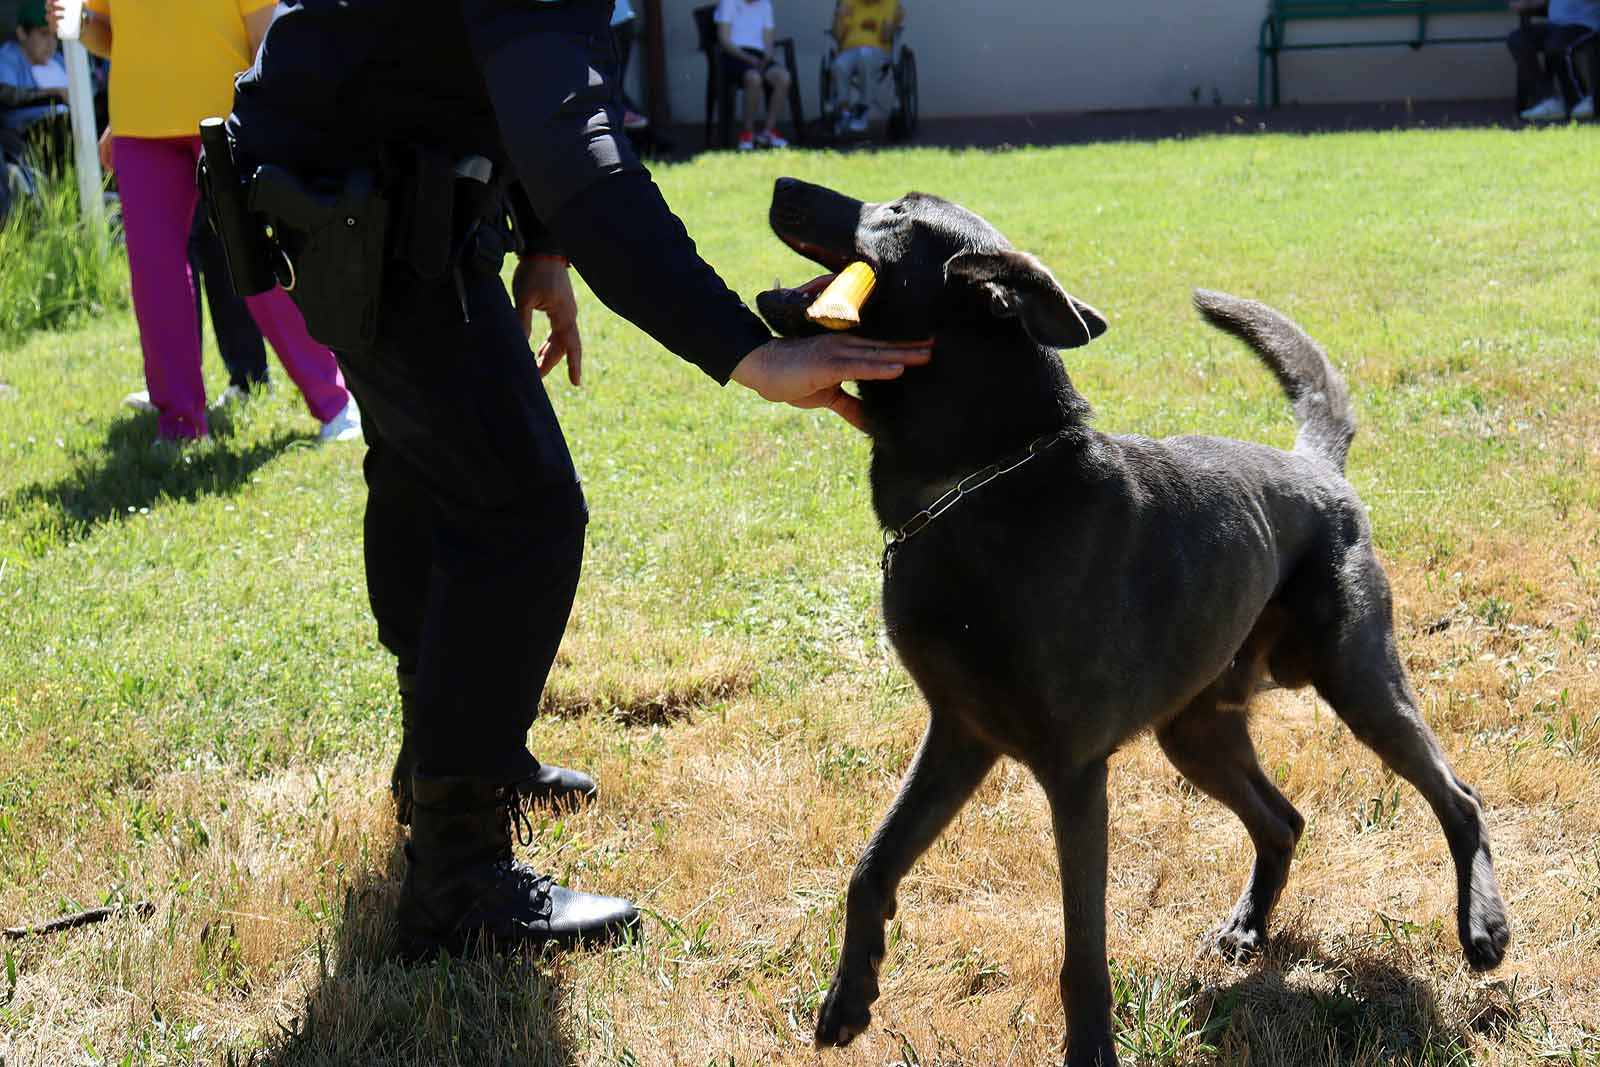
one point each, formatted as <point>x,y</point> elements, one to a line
<point>475,520</point>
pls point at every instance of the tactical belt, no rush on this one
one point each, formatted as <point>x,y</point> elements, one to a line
<point>329,242</point>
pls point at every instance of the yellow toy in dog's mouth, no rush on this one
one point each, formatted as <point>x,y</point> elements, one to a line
<point>839,305</point>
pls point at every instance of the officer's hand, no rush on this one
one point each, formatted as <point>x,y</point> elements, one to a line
<point>541,284</point>
<point>807,371</point>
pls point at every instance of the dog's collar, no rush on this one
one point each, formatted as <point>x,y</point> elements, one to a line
<point>893,539</point>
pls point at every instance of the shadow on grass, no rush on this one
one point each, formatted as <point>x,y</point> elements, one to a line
<point>1302,1007</point>
<point>130,472</point>
<point>367,1007</point>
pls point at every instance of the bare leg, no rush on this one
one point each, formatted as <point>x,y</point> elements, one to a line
<point>1078,808</point>
<point>948,767</point>
<point>752,97</point>
<point>778,78</point>
<point>1366,686</point>
<point>1210,744</point>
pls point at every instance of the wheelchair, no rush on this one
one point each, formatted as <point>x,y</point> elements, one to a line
<point>894,95</point>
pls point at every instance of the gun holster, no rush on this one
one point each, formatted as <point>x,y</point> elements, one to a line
<point>329,250</point>
<point>328,242</point>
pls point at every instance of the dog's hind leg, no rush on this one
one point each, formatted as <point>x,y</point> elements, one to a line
<point>1362,678</point>
<point>1078,809</point>
<point>1210,743</point>
<point>948,767</point>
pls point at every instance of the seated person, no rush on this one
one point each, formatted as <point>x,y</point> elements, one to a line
<point>864,31</point>
<point>1569,24</point>
<point>745,34</point>
<point>27,105</point>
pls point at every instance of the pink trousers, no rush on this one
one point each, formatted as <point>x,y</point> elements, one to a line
<point>156,180</point>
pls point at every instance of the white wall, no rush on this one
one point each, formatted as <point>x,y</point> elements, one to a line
<point>985,58</point>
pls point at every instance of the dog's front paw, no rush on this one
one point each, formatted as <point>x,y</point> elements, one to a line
<point>1239,943</point>
<point>1486,936</point>
<point>1482,924</point>
<point>846,1010</point>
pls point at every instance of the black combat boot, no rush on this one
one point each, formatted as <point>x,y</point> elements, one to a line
<point>541,781</point>
<point>465,889</point>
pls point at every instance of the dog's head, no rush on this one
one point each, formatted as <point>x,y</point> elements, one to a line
<point>937,264</point>
<point>996,316</point>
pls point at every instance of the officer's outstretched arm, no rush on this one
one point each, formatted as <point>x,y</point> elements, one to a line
<point>541,67</point>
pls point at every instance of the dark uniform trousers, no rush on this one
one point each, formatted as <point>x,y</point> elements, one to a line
<point>475,519</point>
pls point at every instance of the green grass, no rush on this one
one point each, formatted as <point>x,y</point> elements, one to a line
<point>195,711</point>
<point>56,267</point>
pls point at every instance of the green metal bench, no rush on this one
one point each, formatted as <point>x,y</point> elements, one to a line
<point>1282,12</point>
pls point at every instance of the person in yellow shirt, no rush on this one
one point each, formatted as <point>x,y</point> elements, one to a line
<point>173,64</point>
<point>864,31</point>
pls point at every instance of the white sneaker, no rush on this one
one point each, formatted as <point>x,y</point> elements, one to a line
<point>1550,109</point>
<point>1584,109</point>
<point>345,426</point>
<point>140,402</point>
<point>231,396</point>
<point>771,139</point>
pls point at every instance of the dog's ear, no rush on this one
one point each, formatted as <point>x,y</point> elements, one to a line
<point>1019,286</point>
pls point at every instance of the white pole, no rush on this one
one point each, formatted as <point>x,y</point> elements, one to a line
<point>80,100</point>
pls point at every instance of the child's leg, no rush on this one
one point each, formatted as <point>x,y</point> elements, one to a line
<point>156,179</point>
<point>1564,63</point>
<point>778,78</point>
<point>1526,44</point>
<point>1558,35</point>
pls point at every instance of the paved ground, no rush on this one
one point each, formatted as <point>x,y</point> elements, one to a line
<point>1082,127</point>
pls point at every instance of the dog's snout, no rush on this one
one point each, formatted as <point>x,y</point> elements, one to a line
<point>784,185</point>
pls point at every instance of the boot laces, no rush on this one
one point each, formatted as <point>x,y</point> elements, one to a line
<point>527,881</point>
<point>518,822</point>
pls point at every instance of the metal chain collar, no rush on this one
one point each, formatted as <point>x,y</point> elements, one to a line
<point>893,539</point>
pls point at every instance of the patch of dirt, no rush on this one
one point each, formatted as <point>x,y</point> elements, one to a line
<point>646,701</point>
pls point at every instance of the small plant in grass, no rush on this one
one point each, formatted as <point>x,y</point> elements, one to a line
<point>1156,1021</point>
<point>1379,812</point>
<point>1494,612</point>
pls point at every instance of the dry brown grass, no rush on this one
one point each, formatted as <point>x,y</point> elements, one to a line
<point>737,829</point>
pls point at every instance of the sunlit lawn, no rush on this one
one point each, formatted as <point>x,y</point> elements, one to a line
<point>194,710</point>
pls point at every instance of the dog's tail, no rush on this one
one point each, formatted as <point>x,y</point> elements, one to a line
<point>1321,402</point>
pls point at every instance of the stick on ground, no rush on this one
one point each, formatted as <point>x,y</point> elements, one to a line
<point>140,909</point>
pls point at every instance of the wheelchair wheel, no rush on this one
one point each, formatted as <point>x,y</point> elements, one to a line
<point>903,123</point>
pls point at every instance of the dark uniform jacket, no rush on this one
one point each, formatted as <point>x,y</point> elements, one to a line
<point>519,81</point>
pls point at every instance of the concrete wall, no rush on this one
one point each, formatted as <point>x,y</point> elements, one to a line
<point>1011,56</point>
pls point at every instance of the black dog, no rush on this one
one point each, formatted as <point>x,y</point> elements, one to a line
<point>1090,586</point>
